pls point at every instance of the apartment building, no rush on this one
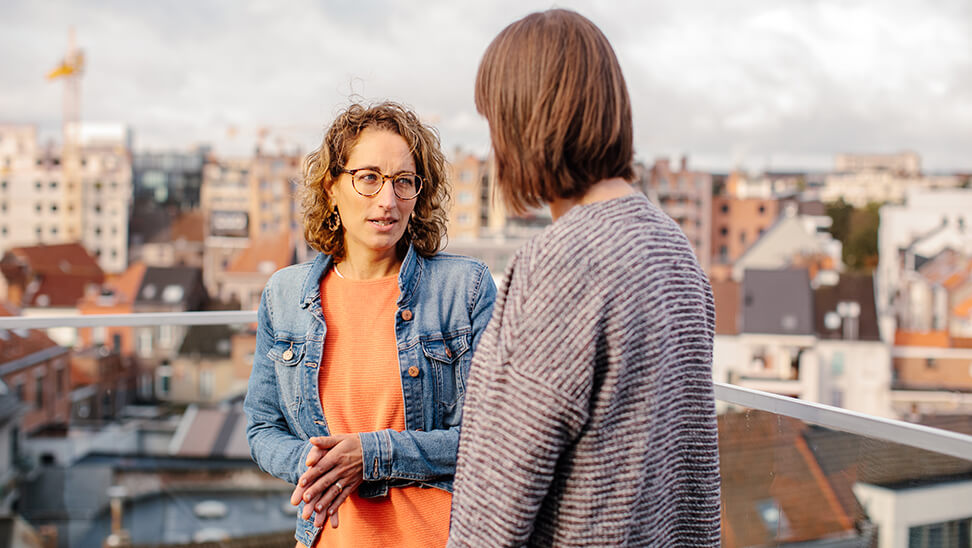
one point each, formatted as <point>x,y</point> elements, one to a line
<point>37,371</point>
<point>905,163</point>
<point>40,205</point>
<point>686,196</point>
<point>244,200</point>
<point>776,332</point>
<point>860,179</point>
<point>928,222</point>
<point>737,223</point>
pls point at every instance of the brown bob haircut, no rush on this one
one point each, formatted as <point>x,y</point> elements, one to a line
<point>321,168</point>
<point>558,109</point>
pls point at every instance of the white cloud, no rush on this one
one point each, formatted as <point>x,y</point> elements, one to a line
<point>754,81</point>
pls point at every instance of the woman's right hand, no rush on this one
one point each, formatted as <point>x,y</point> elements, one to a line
<point>334,471</point>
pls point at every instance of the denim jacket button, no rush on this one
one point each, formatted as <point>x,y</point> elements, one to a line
<point>413,371</point>
<point>288,354</point>
<point>407,316</point>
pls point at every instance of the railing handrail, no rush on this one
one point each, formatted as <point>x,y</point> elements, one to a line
<point>126,320</point>
<point>891,430</point>
<point>895,431</point>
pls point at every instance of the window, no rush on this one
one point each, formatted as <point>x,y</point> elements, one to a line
<point>19,390</point>
<point>762,209</point>
<point>742,238</point>
<point>37,185</point>
<point>37,207</point>
<point>144,345</point>
<point>465,197</point>
<point>60,385</point>
<point>53,208</point>
<point>205,384</point>
<point>53,185</point>
<point>164,376</point>
<point>725,208</point>
<point>947,533</point>
<point>39,392</point>
<point>723,231</point>
<point>3,206</point>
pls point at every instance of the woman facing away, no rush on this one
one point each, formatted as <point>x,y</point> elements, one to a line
<point>359,373</point>
<point>590,418</point>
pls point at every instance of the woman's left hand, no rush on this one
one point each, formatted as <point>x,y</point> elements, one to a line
<point>335,470</point>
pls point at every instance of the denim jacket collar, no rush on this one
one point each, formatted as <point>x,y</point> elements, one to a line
<point>408,277</point>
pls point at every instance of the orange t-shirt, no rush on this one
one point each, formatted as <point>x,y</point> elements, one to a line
<point>361,391</point>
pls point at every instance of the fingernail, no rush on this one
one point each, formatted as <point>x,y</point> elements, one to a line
<point>330,511</point>
<point>319,507</point>
<point>303,482</point>
<point>307,498</point>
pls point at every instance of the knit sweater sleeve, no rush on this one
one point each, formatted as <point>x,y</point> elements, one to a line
<point>530,384</point>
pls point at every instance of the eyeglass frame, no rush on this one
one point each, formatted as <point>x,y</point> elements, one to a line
<point>351,172</point>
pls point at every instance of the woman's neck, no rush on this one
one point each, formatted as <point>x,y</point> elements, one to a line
<point>601,191</point>
<point>358,266</point>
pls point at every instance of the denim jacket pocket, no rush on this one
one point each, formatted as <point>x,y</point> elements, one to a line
<point>446,354</point>
<point>286,354</point>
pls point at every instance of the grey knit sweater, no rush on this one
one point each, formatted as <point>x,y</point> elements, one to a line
<point>589,417</point>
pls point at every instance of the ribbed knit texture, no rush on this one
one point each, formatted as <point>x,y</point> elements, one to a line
<point>589,418</point>
<point>361,390</point>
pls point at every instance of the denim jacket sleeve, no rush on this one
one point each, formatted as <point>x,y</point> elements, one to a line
<point>273,445</point>
<point>427,457</point>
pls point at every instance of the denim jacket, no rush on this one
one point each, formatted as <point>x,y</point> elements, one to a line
<point>444,305</point>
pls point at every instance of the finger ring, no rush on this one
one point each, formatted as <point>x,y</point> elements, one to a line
<point>338,485</point>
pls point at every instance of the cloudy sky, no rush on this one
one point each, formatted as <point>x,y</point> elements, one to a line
<point>751,83</point>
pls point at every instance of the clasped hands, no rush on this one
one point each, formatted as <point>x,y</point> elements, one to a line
<point>335,469</point>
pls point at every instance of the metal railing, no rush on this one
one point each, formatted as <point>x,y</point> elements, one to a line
<point>895,431</point>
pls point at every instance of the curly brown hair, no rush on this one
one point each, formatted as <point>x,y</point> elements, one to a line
<point>320,169</point>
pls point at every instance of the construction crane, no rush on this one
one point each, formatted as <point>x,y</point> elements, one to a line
<point>69,70</point>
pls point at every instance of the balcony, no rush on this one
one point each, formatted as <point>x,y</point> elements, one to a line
<point>793,472</point>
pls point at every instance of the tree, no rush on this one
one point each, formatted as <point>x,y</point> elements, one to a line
<point>857,230</point>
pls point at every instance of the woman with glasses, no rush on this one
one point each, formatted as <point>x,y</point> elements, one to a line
<point>358,377</point>
<point>590,418</point>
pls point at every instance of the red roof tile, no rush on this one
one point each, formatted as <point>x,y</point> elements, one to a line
<point>17,343</point>
<point>66,259</point>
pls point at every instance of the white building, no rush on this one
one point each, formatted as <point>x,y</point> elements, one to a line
<point>39,207</point>
<point>925,224</point>
<point>861,188</point>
